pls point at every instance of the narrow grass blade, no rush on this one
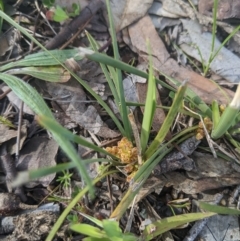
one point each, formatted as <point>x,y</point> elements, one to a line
<point>27,176</point>
<point>113,230</point>
<point>6,122</point>
<point>58,134</point>
<point>104,68</point>
<point>54,126</point>
<point>177,102</point>
<point>51,74</point>
<point>150,107</point>
<point>226,41</point>
<point>228,117</point>
<point>88,230</point>
<point>102,58</point>
<point>44,59</point>
<point>215,113</point>
<point>92,219</point>
<point>219,209</point>
<point>2,9</point>
<point>234,142</point>
<point>119,82</point>
<point>225,122</point>
<point>166,224</point>
<point>27,94</point>
<point>113,75</point>
<point>74,201</point>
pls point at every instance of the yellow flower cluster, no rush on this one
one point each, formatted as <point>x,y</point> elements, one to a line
<point>200,131</point>
<point>124,151</point>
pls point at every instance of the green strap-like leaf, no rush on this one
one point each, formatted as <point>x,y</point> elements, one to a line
<point>44,59</point>
<point>51,74</point>
<point>219,209</point>
<point>27,94</point>
<point>150,106</point>
<point>167,224</point>
<point>225,122</point>
<point>177,102</point>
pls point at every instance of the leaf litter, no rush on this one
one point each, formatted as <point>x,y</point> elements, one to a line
<point>167,23</point>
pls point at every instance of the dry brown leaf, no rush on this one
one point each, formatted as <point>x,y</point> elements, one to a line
<point>74,106</point>
<point>10,135</point>
<point>156,184</point>
<point>38,153</point>
<point>143,30</point>
<point>6,133</point>
<point>209,183</point>
<point>16,101</point>
<point>127,11</point>
<point>208,166</point>
<point>221,227</point>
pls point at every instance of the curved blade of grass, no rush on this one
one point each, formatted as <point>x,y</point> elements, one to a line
<point>2,9</point>
<point>219,209</point>
<point>4,120</point>
<point>89,230</point>
<point>225,122</point>
<point>166,224</point>
<point>102,103</point>
<point>234,142</point>
<point>71,205</point>
<point>113,230</point>
<point>27,94</point>
<point>95,47</point>
<point>228,117</point>
<point>92,219</point>
<point>215,113</point>
<point>119,81</point>
<point>51,74</point>
<point>54,126</point>
<point>226,41</point>
<point>214,30</point>
<point>177,102</point>
<point>44,59</point>
<point>58,134</point>
<point>27,176</point>
<point>150,106</point>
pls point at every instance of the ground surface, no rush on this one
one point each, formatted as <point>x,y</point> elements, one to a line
<point>180,36</point>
